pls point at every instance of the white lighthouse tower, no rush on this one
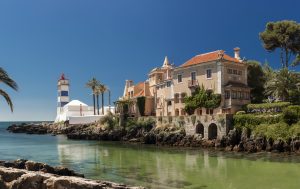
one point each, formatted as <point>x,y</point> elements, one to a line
<point>63,98</point>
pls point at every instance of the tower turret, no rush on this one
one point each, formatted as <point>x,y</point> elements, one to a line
<point>62,96</point>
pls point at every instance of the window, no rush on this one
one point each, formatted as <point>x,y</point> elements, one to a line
<point>182,97</point>
<point>247,96</point>
<point>239,95</point>
<point>235,72</point>
<point>179,78</point>
<point>193,76</point>
<point>240,72</point>
<point>208,73</point>
<point>229,71</point>
<point>233,94</point>
<point>209,111</point>
<point>182,112</point>
<point>64,93</point>
<point>199,111</point>
<point>169,103</point>
<point>227,94</point>
<point>176,98</point>
<point>242,95</point>
<point>176,112</point>
<point>169,84</point>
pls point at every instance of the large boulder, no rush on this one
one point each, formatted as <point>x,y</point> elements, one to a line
<point>11,178</point>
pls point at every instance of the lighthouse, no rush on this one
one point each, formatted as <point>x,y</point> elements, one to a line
<point>62,98</point>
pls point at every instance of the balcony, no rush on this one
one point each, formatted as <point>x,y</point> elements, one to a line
<point>193,83</point>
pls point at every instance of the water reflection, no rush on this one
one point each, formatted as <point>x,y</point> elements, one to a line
<point>168,168</point>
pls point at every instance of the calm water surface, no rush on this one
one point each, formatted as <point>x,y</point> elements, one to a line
<point>152,167</point>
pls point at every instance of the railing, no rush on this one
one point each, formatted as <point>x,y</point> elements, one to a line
<point>193,83</point>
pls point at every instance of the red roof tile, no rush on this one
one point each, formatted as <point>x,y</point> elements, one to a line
<point>207,57</point>
<point>139,89</point>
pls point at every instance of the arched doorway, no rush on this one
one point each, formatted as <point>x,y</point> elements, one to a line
<point>200,129</point>
<point>212,131</point>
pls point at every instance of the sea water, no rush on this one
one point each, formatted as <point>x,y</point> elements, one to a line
<point>155,167</point>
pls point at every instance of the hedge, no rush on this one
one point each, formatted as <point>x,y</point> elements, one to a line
<point>251,121</point>
<point>267,107</point>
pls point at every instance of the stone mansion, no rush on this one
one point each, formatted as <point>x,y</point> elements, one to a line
<point>167,86</point>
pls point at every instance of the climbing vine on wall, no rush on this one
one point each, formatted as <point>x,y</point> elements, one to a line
<point>201,98</point>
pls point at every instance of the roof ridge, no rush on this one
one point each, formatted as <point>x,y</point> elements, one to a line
<point>209,53</point>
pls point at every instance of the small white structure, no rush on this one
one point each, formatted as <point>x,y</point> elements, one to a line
<point>76,112</point>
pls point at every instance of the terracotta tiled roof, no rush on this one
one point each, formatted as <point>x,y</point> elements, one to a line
<point>207,57</point>
<point>139,89</point>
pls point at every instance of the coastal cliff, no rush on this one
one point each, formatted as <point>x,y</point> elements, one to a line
<point>23,174</point>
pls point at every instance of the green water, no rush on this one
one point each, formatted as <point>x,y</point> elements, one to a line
<point>154,167</point>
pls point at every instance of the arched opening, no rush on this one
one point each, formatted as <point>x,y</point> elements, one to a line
<point>200,129</point>
<point>212,131</point>
<point>177,112</point>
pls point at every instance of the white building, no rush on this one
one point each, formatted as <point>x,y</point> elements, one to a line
<point>75,111</point>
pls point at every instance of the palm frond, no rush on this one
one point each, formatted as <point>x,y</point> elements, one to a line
<point>5,78</point>
<point>8,100</point>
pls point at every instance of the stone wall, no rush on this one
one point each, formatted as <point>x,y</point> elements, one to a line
<point>208,126</point>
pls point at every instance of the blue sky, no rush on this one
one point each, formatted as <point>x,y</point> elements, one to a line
<point>115,40</point>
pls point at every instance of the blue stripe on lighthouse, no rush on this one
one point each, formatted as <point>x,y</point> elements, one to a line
<point>64,93</point>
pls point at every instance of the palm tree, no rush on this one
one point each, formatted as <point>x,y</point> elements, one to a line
<point>97,93</point>
<point>92,84</point>
<point>4,78</point>
<point>280,83</point>
<point>102,89</point>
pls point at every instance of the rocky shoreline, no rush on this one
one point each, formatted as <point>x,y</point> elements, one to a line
<point>163,136</point>
<point>24,174</point>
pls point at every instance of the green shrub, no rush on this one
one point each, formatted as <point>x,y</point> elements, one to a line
<point>110,121</point>
<point>295,130</point>
<point>240,112</point>
<point>290,116</point>
<point>146,124</point>
<point>274,131</point>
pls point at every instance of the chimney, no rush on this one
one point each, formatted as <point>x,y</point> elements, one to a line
<point>128,84</point>
<point>237,53</point>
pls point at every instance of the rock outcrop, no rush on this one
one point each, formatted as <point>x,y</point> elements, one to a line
<point>239,141</point>
<point>41,167</point>
<point>22,174</point>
